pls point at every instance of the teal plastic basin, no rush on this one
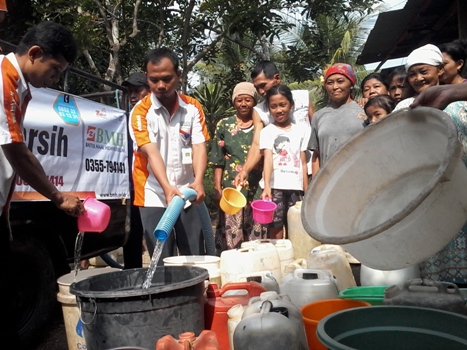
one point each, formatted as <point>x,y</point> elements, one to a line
<point>388,327</point>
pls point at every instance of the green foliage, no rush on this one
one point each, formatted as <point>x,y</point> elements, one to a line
<point>216,103</point>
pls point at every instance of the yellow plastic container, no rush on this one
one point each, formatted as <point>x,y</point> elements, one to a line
<point>232,200</point>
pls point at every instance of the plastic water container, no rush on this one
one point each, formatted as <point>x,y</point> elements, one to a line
<point>273,327</point>
<point>271,296</point>
<point>302,242</point>
<point>283,246</point>
<point>219,302</point>
<point>308,285</point>
<point>290,268</point>
<point>235,316</point>
<point>240,263</point>
<point>278,301</point>
<point>333,258</point>
<point>426,293</point>
<point>209,262</point>
<point>266,279</point>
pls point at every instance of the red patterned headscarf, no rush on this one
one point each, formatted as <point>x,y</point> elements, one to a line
<point>341,68</point>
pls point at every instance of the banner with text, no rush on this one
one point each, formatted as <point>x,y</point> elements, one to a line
<point>81,144</point>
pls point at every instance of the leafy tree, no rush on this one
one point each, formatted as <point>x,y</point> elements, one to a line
<point>114,35</point>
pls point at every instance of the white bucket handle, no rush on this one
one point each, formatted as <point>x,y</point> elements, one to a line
<point>93,316</point>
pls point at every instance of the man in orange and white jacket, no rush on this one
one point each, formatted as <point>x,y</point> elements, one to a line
<point>169,134</point>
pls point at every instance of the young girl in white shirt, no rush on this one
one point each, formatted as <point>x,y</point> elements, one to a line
<point>283,145</point>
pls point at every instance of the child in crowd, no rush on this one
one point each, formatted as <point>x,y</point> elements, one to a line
<point>378,107</point>
<point>398,86</point>
<point>283,145</point>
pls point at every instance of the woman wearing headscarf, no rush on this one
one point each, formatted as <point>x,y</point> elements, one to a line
<point>335,124</point>
<point>424,68</point>
<point>232,140</point>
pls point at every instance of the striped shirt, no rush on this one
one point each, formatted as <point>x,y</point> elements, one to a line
<point>151,122</point>
<point>14,98</point>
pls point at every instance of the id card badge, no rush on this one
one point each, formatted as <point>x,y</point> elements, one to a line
<point>186,155</point>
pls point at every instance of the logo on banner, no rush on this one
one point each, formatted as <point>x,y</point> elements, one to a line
<point>99,135</point>
<point>66,108</point>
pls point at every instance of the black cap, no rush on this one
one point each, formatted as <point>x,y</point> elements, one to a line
<point>136,79</point>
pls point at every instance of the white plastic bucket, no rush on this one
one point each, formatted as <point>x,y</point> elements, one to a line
<point>70,310</point>
<point>393,195</point>
<point>209,262</point>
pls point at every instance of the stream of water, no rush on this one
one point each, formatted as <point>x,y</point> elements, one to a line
<point>78,246</point>
<point>153,264</point>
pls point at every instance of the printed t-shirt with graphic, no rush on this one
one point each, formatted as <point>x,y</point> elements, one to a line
<point>299,116</point>
<point>286,146</point>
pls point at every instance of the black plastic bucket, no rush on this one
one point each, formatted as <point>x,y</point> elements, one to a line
<point>393,327</point>
<point>117,312</point>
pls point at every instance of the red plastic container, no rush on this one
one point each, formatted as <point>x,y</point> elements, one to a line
<point>217,305</point>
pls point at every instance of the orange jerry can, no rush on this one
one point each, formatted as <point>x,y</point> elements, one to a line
<point>219,302</point>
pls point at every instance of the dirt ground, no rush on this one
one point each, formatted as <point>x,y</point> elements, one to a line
<point>55,336</point>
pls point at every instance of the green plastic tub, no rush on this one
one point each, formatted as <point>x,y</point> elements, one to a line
<point>388,327</point>
<point>371,294</point>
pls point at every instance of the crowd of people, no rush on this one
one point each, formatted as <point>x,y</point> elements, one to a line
<point>270,148</point>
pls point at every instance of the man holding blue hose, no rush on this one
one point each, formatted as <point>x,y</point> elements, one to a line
<point>169,134</point>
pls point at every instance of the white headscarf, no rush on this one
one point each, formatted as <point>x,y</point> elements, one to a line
<point>428,54</point>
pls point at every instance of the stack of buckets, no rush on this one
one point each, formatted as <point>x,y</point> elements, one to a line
<point>70,310</point>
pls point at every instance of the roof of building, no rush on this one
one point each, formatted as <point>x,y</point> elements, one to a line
<point>396,33</point>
